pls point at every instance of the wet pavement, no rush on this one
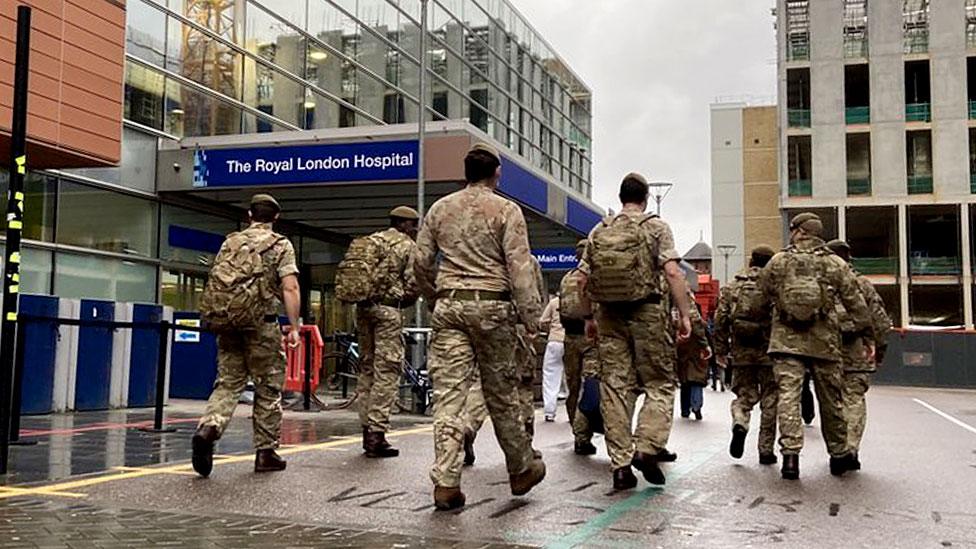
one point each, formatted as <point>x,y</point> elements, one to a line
<point>915,490</point>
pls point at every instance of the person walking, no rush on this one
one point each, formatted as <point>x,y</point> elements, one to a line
<point>252,274</point>
<point>801,284</point>
<point>858,367</point>
<point>630,258</point>
<point>742,325</point>
<point>692,364</point>
<point>474,265</point>
<point>552,361</point>
<point>383,266</point>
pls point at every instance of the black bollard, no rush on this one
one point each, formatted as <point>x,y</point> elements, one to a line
<point>164,337</point>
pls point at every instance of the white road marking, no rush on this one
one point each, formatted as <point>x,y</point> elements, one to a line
<point>962,424</point>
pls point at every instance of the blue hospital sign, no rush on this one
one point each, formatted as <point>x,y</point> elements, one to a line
<point>556,259</point>
<point>346,162</point>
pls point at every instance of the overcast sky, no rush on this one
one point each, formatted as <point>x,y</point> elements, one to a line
<point>654,67</point>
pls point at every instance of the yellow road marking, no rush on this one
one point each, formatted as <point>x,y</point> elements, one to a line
<point>126,473</point>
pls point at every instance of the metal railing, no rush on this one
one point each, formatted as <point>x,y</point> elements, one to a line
<point>972,184</point>
<point>857,115</point>
<point>798,118</point>
<point>876,265</point>
<point>972,109</point>
<point>798,51</point>
<point>935,266</point>
<point>920,184</point>
<point>858,187</point>
<point>800,187</point>
<point>918,112</point>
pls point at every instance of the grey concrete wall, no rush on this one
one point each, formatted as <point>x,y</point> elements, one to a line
<point>728,215</point>
<point>827,100</point>
<point>887,69</point>
<point>950,107</point>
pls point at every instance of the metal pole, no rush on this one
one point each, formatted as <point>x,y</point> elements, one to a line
<point>18,388</point>
<point>162,355</point>
<point>307,383</point>
<point>422,133</point>
<point>15,221</point>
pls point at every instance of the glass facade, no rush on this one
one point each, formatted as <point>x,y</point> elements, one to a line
<point>260,66</point>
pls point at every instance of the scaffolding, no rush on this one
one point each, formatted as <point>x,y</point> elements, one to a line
<point>213,64</point>
<point>971,24</point>
<point>855,28</point>
<point>915,25</point>
<point>797,30</point>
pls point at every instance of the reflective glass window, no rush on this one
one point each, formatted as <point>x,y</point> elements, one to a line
<point>39,201</point>
<point>104,220</point>
<point>145,32</point>
<point>88,276</point>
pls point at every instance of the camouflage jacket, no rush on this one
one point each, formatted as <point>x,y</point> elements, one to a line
<point>402,285</point>
<point>482,243</point>
<point>821,339</point>
<point>743,352</point>
<point>853,341</point>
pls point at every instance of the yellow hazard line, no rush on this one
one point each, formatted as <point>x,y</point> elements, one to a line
<point>126,473</point>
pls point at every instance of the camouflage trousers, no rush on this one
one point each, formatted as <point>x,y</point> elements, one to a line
<point>828,381</point>
<point>855,406</point>
<point>475,409</point>
<point>380,364</point>
<point>755,384</point>
<point>469,337</point>
<point>258,356</point>
<point>580,360</point>
<point>637,352</point>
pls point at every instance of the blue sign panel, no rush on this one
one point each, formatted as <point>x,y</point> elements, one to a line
<point>581,217</point>
<point>194,239</point>
<point>346,162</point>
<point>523,186</point>
<point>556,259</point>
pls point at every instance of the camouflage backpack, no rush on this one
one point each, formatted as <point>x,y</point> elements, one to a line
<point>571,295</point>
<point>801,297</point>
<point>623,262</point>
<point>362,274</point>
<point>238,290</point>
<point>750,317</point>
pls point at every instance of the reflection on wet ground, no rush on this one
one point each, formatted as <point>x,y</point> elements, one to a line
<point>67,445</point>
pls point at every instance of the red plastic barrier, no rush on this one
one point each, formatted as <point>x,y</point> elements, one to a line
<point>295,371</point>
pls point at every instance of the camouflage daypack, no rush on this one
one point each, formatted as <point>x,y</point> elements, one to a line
<point>623,261</point>
<point>362,274</point>
<point>238,291</point>
<point>750,317</point>
<point>571,295</point>
<point>801,297</point>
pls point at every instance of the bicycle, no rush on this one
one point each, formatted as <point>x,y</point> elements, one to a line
<point>340,367</point>
<point>416,391</point>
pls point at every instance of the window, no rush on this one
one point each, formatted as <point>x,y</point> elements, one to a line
<point>855,28</point>
<point>939,305</point>
<point>872,233</point>
<point>35,269</point>
<point>919,157</point>
<point>857,94</point>
<point>143,95</point>
<point>971,85</point>
<point>798,97</point>
<point>971,23</point>
<point>797,30</point>
<point>88,276</point>
<point>39,200</point>
<point>858,164</point>
<point>799,183</point>
<point>891,295</point>
<point>145,32</point>
<point>138,169</point>
<point>918,92</point>
<point>933,240</point>
<point>915,26</point>
<point>191,237</point>
<point>106,220</point>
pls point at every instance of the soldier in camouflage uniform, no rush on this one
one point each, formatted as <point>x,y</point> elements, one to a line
<point>526,360</point>
<point>752,369</point>
<point>580,361</point>
<point>857,366</point>
<point>380,324</point>
<point>637,346</point>
<point>482,284</point>
<point>803,278</point>
<point>254,354</point>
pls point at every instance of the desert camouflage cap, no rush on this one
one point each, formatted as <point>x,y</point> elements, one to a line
<point>263,198</point>
<point>404,212</point>
<point>485,148</point>
<point>837,245</point>
<point>763,251</point>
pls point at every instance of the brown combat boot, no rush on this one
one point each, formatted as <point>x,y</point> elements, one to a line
<point>203,449</point>
<point>648,465</point>
<point>524,481</point>
<point>624,479</point>
<point>268,461</point>
<point>378,447</point>
<point>446,499</point>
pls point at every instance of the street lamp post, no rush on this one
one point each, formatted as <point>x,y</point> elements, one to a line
<point>421,132</point>
<point>659,190</point>
<point>726,250</point>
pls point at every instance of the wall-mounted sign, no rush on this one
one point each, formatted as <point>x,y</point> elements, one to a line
<point>187,336</point>
<point>339,163</point>
<point>556,259</point>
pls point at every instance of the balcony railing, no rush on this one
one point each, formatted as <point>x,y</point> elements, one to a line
<point>876,265</point>
<point>935,266</point>
<point>798,51</point>
<point>800,187</point>
<point>918,112</point>
<point>855,47</point>
<point>858,187</point>
<point>799,118</point>
<point>917,42</point>
<point>972,184</point>
<point>920,184</point>
<point>858,115</point>
<point>972,109</point>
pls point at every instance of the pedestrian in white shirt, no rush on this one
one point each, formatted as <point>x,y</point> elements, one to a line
<point>552,362</point>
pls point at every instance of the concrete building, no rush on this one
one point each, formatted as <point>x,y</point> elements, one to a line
<point>745,184</point>
<point>877,135</point>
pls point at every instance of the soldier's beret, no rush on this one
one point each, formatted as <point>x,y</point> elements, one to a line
<point>636,177</point>
<point>809,222</point>
<point>265,199</point>
<point>485,148</point>
<point>404,212</point>
<point>837,245</point>
<point>763,251</point>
